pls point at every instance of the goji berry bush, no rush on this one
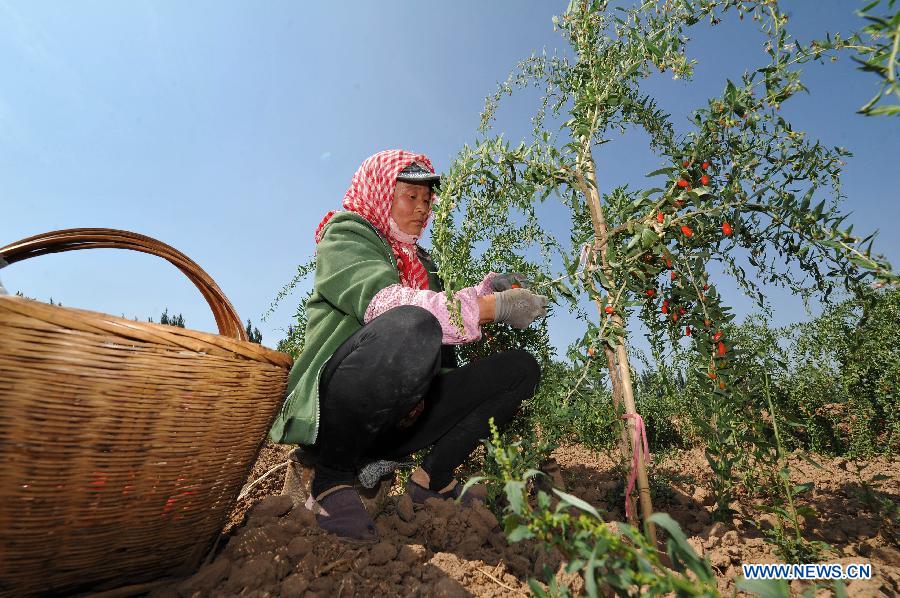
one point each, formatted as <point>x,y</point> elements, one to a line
<point>742,190</point>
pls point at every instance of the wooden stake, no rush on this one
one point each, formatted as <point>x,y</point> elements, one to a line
<point>624,439</point>
<point>621,375</point>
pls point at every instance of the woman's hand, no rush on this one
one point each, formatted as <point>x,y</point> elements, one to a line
<point>519,307</point>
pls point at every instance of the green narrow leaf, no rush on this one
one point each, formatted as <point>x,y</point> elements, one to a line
<point>514,494</point>
<point>471,482</point>
<point>765,588</point>
<point>666,522</point>
<point>648,238</point>
<point>577,502</point>
<point>536,588</point>
<point>590,583</point>
<point>519,534</point>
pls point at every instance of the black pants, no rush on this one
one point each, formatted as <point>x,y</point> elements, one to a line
<point>380,373</point>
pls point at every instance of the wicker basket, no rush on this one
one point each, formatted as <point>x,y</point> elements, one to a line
<point>123,444</point>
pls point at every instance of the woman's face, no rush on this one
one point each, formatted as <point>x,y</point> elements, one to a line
<point>411,207</point>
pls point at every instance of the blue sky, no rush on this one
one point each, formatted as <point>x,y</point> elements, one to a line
<point>228,129</point>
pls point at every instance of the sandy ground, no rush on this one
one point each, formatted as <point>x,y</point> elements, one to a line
<point>441,549</point>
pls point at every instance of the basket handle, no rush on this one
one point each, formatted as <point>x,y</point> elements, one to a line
<point>106,238</point>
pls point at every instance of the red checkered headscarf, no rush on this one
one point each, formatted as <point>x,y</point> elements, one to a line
<point>371,195</point>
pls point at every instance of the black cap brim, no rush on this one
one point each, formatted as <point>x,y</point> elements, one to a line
<point>420,177</point>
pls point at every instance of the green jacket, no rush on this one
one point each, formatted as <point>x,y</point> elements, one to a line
<point>353,262</point>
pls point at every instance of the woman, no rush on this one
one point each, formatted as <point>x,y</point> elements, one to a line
<point>377,378</point>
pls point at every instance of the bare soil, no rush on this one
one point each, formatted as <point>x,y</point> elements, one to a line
<point>444,550</point>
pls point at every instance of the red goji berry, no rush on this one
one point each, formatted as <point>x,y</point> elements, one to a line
<point>726,228</point>
<point>704,180</point>
<point>660,217</point>
<point>686,231</point>
<point>683,183</point>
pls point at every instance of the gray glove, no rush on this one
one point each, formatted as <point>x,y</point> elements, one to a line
<point>504,282</point>
<point>519,307</point>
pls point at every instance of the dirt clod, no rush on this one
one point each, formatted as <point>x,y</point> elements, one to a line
<point>382,553</point>
<point>405,508</point>
<point>294,585</point>
<point>272,506</point>
<point>449,588</point>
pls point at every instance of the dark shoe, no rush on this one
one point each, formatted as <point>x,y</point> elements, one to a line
<point>340,511</point>
<point>420,494</point>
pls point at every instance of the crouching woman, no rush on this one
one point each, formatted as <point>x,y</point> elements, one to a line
<point>378,378</point>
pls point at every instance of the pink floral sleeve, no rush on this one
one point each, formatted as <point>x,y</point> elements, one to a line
<point>484,287</point>
<point>436,303</point>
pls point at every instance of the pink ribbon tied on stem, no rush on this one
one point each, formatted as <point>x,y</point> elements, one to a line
<point>639,438</point>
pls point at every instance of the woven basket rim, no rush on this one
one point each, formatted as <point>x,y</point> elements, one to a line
<point>95,322</point>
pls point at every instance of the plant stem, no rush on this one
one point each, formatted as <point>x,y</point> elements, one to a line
<point>780,453</point>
